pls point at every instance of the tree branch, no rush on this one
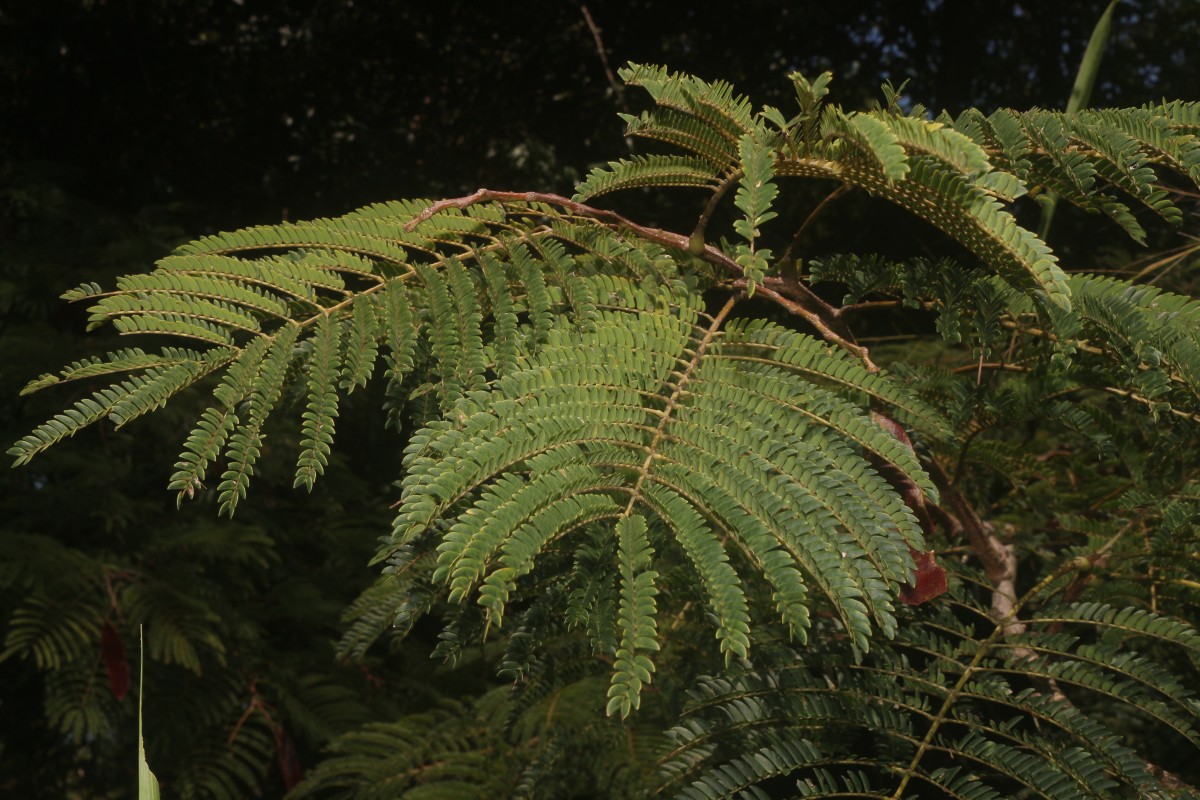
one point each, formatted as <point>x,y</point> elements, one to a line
<point>792,295</point>
<point>998,559</point>
<point>812,316</point>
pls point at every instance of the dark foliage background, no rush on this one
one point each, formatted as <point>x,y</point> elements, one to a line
<point>129,126</point>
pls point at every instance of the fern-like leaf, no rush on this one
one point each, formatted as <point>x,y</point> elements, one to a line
<point>633,669</point>
<point>509,471</point>
<point>245,445</point>
<point>317,430</point>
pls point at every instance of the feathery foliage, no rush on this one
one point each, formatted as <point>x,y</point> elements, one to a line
<point>655,473</point>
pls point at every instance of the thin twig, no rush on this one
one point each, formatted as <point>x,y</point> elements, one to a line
<point>869,305</point>
<point>706,215</point>
<point>617,88</point>
<point>812,318</point>
<point>982,365</point>
<point>789,254</point>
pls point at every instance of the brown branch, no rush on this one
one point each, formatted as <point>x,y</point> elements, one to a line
<point>666,238</point>
<point>790,294</point>
<point>801,293</point>
<point>998,559</point>
<point>820,314</point>
<point>997,365</point>
<point>814,318</point>
<point>869,305</point>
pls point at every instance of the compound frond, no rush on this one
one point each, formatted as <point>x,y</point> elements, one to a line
<point>638,413</point>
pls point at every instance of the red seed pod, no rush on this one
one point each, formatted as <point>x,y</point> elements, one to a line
<point>929,579</point>
<point>113,653</point>
<point>285,754</point>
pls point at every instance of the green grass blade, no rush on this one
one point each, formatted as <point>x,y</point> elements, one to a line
<point>1081,92</point>
<point>147,783</point>
<point>1089,68</point>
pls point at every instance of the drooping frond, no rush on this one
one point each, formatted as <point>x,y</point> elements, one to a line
<point>123,401</point>
<point>685,131</point>
<point>638,628</point>
<point>443,751</point>
<point>223,767</point>
<point>658,170</point>
<point>322,402</point>
<point>544,740</point>
<point>735,443</point>
<point>957,174</point>
<point>53,631</point>
<point>321,304</point>
<point>947,712</point>
<point>716,104</point>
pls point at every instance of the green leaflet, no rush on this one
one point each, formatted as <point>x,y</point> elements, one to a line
<point>504,317</point>
<point>123,401</point>
<point>400,326</point>
<point>716,103</point>
<point>519,551</point>
<point>245,445</point>
<point>873,137</point>
<point>941,141</point>
<point>577,292</point>
<point>537,296</point>
<point>204,443</point>
<point>721,583</point>
<point>193,288</point>
<point>756,191</point>
<point>682,130</point>
<point>118,361</point>
<point>157,385</point>
<point>468,319</point>
<point>657,170</point>
<point>441,331</point>
<point>322,407</point>
<point>362,344</point>
<point>633,669</point>
<point>145,310</point>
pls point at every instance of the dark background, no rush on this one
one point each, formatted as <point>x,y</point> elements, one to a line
<point>260,109</point>
<point>130,126</point>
